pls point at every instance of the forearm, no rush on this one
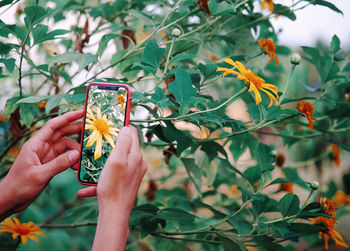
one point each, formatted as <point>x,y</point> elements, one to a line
<point>5,202</point>
<point>112,229</point>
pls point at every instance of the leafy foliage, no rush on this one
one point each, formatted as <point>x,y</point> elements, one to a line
<point>215,181</point>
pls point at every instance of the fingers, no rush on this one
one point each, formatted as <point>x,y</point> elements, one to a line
<point>135,146</point>
<point>48,130</point>
<point>122,148</point>
<point>72,128</point>
<point>87,192</point>
<point>61,163</point>
<point>66,144</point>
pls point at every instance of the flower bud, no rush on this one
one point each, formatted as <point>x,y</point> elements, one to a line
<point>314,185</point>
<point>176,32</point>
<point>295,59</point>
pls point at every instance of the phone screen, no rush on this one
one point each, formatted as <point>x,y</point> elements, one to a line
<point>104,117</point>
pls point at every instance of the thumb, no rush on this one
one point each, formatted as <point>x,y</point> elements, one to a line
<point>61,163</point>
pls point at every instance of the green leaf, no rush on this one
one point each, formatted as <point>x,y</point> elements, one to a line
<point>31,100</point>
<point>194,172</point>
<point>27,112</point>
<point>5,2</point>
<point>181,57</point>
<point>182,87</point>
<point>82,59</point>
<point>326,4</point>
<point>229,244</point>
<point>220,9</point>
<point>289,204</point>
<point>345,147</point>
<point>283,10</point>
<point>286,180</point>
<point>9,63</point>
<point>34,15</point>
<point>4,49</point>
<point>117,56</point>
<point>335,44</point>
<point>52,102</point>
<point>175,214</point>
<point>104,42</point>
<point>152,54</point>
<point>40,33</point>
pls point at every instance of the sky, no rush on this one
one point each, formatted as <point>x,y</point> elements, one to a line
<point>315,23</point>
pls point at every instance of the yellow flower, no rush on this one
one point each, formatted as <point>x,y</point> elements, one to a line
<point>100,126</point>
<point>269,4</point>
<point>327,207</point>
<point>255,83</point>
<point>24,230</point>
<point>269,47</point>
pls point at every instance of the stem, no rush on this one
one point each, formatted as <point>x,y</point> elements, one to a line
<point>286,86</point>
<point>304,205</point>
<point>84,224</point>
<point>194,113</point>
<point>136,47</point>
<point>186,239</point>
<point>168,57</point>
<point>20,65</point>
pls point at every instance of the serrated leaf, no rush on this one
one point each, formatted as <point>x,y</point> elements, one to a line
<point>182,87</point>
<point>289,204</point>
<point>152,54</point>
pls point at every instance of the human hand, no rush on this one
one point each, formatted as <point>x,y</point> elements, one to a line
<point>41,157</point>
<point>116,191</point>
<point>122,174</point>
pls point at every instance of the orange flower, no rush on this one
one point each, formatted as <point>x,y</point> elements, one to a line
<point>269,47</point>
<point>14,151</point>
<point>41,105</point>
<point>327,207</point>
<point>341,198</point>
<point>336,154</point>
<point>24,230</point>
<point>255,83</point>
<point>3,118</point>
<point>288,187</point>
<point>308,109</point>
<point>267,3</point>
<point>121,100</point>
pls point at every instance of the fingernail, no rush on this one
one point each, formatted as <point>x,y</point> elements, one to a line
<point>73,155</point>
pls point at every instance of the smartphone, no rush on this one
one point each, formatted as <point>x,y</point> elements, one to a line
<point>107,110</point>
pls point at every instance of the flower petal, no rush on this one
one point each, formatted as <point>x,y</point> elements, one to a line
<point>256,93</point>
<point>98,148</point>
<point>93,138</point>
<point>109,140</point>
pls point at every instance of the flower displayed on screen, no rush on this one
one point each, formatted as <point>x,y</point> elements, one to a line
<point>101,128</point>
<point>255,82</point>
<point>24,230</point>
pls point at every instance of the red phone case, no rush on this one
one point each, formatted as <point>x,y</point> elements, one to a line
<point>126,122</point>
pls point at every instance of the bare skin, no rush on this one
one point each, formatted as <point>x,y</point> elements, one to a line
<point>117,190</point>
<point>40,159</point>
<point>50,152</point>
